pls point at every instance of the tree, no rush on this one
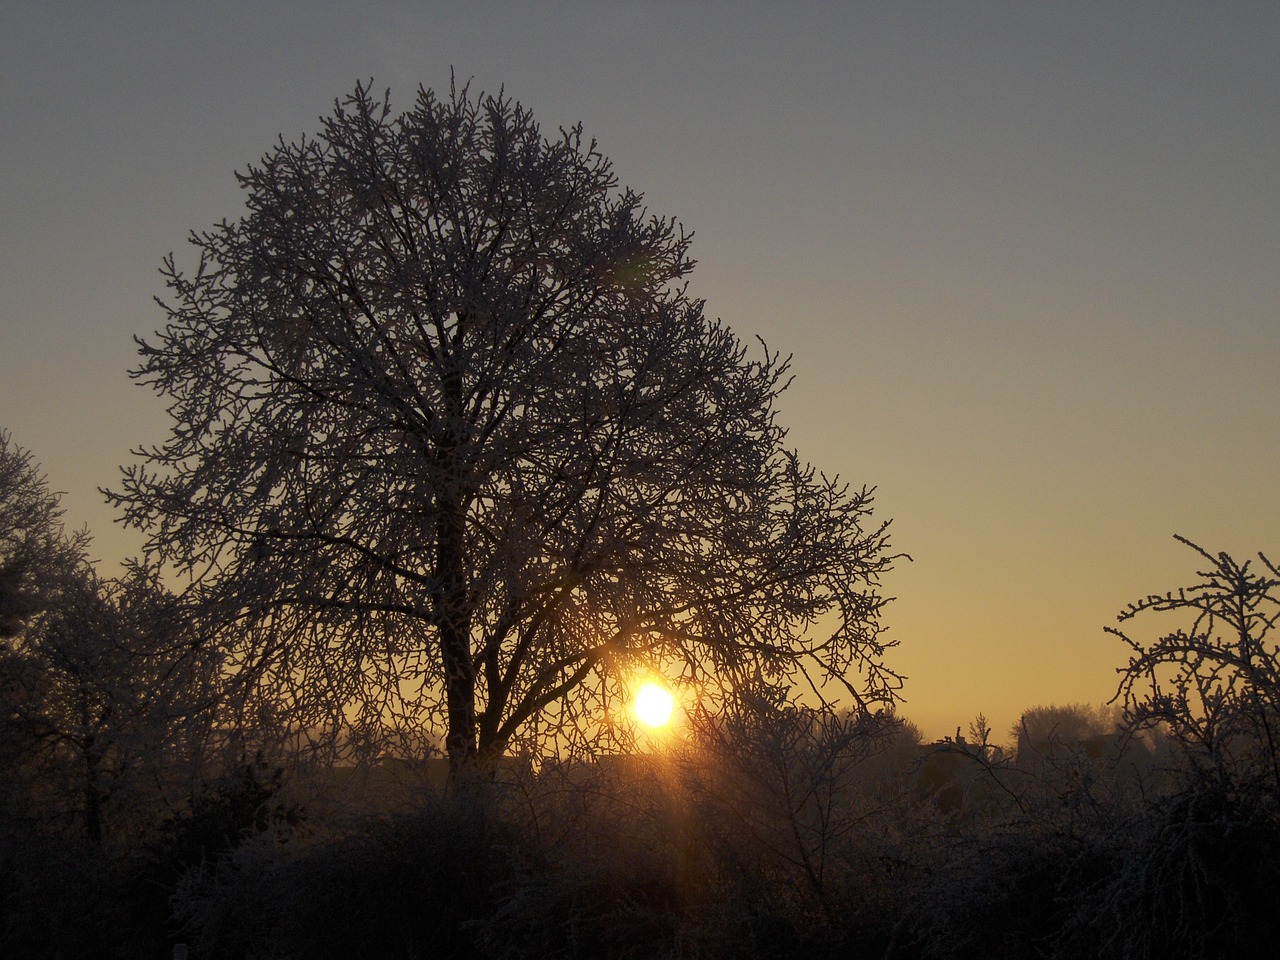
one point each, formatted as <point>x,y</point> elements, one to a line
<point>67,702</point>
<point>45,584</point>
<point>1213,683</point>
<point>36,552</point>
<point>94,683</point>
<point>1198,870</point>
<point>104,710</point>
<point>1064,730</point>
<point>786,785</point>
<point>453,445</point>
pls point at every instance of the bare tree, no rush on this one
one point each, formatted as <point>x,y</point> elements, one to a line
<point>104,709</point>
<point>452,446</point>
<point>87,693</point>
<point>783,784</point>
<point>36,551</point>
<point>1197,868</point>
<point>1213,682</point>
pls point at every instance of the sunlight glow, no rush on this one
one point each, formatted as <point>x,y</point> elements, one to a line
<point>653,705</point>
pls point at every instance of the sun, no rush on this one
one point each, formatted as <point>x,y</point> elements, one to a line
<point>653,705</point>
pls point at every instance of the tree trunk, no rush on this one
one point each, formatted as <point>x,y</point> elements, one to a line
<point>453,621</point>
<point>92,795</point>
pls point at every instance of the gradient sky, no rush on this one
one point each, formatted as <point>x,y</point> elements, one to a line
<point>1026,256</point>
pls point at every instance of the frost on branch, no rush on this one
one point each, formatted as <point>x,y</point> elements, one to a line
<point>452,447</point>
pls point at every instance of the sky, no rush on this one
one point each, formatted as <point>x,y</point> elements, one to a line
<point>1025,257</point>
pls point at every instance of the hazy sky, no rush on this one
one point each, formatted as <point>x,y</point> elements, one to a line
<point>1026,256</point>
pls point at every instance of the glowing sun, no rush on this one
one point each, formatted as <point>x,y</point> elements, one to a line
<point>653,705</point>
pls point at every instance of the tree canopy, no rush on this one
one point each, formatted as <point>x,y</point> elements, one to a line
<point>37,554</point>
<point>453,447</point>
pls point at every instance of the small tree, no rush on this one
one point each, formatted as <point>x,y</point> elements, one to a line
<point>40,567</point>
<point>101,709</point>
<point>95,686</point>
<point>452,446</point>
<point>1196,874</point>
<point>781,785</point>
<point>1213,682</point>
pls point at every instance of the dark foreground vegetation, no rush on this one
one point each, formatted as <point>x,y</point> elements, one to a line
<point>772,833</point>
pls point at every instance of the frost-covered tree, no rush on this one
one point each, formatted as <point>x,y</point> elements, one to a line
<point>453,448</point>
<point>1211,680</point>
<point>96,687</point>
<point>36,551</point>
